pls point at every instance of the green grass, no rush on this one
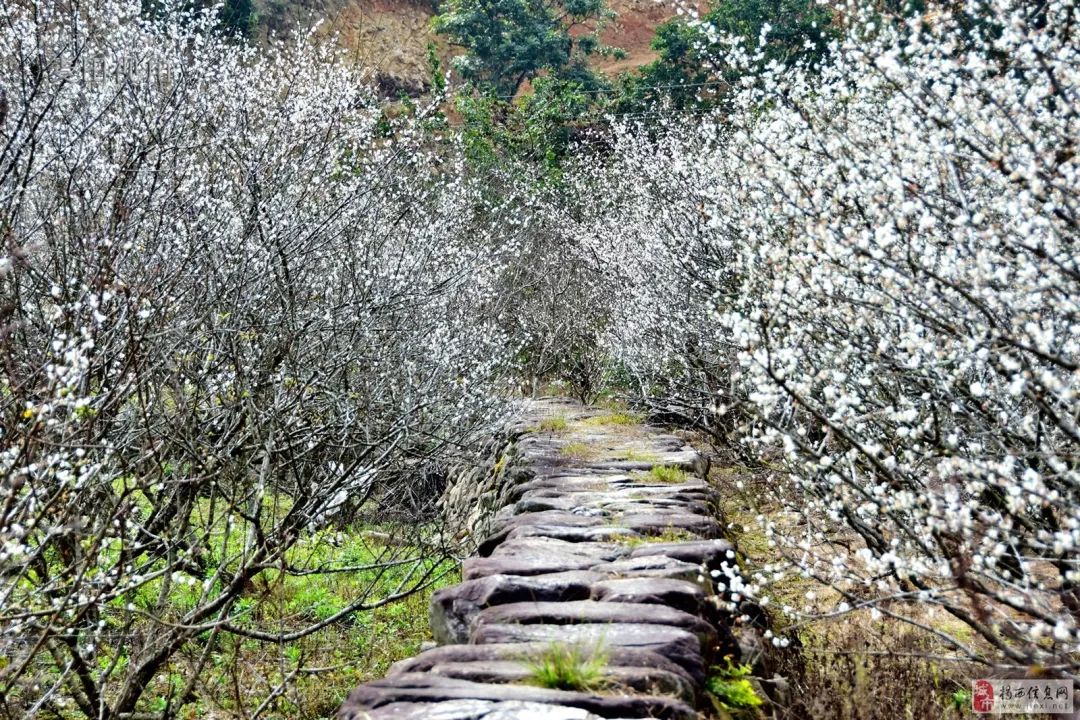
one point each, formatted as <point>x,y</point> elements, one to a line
<point>614,418</point>
<point>568,667</point>
<point>668,474</point>
<point>358,647</point>
<point>554,424</point>
<point>361,647</point>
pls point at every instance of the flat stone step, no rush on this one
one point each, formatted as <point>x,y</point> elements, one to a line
<point>454,609</point>
<point>590,611</point>
<point>612,678</point>
<point>574,534</point>
<point>417,688</point>
<point>613,503</point>
<point>681,594</point>
<point>549,517</point>
<point>650,566</point>
<point>679,646</point>
<point>708,553</point>
<point>565,483</point>
<point>687,460</point>
<point>539,556</point>
<point>473,710</point>
<point>519,652</point>
<point>599,551</point>
<point>658,522</point>
<point>627,489</point>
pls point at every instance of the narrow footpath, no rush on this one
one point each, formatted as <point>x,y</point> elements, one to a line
<point>595,574</point>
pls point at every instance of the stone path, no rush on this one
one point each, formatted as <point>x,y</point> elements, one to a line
<point>599,551</point>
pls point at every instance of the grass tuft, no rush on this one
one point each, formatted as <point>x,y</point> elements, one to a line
<point>568,667</point>
<point>614,418</point>
<point>554,424</point>
<point>577,451</point>
<point>668,474</point>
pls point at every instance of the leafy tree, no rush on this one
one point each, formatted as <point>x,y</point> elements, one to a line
<point>235,18</point>
<point>511,41</point>
<point>694,66</point>
<point>238,18</point>
<point>535,132</point>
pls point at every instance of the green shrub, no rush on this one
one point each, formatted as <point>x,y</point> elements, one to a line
<point>730,688</point>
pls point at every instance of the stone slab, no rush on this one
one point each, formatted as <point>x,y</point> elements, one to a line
<point>679,646</point>
<point>414,688</point>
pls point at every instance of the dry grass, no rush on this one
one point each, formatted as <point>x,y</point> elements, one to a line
<point>578,451</point>
<point>671,535</point>
<point>857,668</point>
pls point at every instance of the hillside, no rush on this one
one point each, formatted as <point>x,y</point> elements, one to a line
<point>392,36</point>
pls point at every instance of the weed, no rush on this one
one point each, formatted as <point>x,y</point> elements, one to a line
<point>668,474</point>
<point>359,647</point>
<point>614,418</point>
<point>845,685</point>
<point>731,689</point>
<point>577,451</point>
<point>609,401</point>
<point>554,425</point>
<point>568,667</point>
<point>315,601</point>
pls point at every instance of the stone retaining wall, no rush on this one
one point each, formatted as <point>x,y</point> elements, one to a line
<point>591,550</point>
<point>476,492</point>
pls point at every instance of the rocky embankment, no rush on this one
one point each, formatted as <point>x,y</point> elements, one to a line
<point>600,553</point>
